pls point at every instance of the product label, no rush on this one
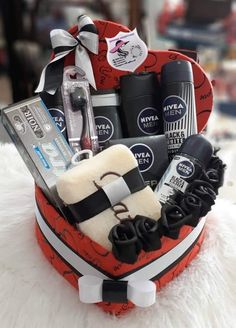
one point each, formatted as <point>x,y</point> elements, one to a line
<point>179,118</point>
<point>151,183</point>
<point>42,158</point>
<point>126,51</point>
<point>185,168</point>
<point>148,121</point>
<point>19,124</point>
<point>174,108</point>
<point>59,118</point>
<point>54,155</point>
<point>32,122</point>
<point>144,156</point>
<point>173,179</point>
<point>104,127</point>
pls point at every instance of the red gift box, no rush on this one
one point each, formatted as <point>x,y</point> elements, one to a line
<point>50,222</point>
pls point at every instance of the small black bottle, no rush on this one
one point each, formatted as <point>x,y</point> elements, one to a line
<point>140,104</point>
<point>106,105</point>
<point>179,108</point>
<point>187,165</point>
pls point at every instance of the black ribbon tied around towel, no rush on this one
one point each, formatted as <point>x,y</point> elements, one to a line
<point>107,196</point>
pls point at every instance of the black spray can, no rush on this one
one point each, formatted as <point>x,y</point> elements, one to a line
<point>140,104</point>
<point>54,104</point>
<point>187,165</point>
<point>179,108</point>
<point>106,113</point>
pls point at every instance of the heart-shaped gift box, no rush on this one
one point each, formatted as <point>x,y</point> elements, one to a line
<point>73,254</point>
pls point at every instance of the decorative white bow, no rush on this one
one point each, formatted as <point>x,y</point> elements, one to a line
<point>63,43</point>
<point>140,293</point>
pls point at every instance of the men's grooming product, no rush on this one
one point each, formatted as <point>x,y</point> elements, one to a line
<point>151,155</point>
<point>54,103</point>
<point>140,104</point>
<point>187,165</point>
<point>39,142</point>
<point>179,109</point>
<point>81,129</point>
<point>103,190</point>
<point>106,105</point>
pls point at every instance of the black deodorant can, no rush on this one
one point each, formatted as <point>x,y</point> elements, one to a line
<point>54,104</point>
<point>179,108</point>
<point>106,113</point>
<point>187,165</point>
<point>140,104</point>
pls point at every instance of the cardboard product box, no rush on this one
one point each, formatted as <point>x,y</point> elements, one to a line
<point>151,155</point>
<point>40,143</point>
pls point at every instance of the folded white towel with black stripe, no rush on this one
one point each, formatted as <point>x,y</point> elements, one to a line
<point>105,189</point>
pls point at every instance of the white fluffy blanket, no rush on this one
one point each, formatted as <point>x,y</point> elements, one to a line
<point>34,295</point>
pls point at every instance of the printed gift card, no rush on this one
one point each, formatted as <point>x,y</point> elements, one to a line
<point>126,51</point>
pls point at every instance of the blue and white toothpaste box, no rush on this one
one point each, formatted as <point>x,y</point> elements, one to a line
<point>40,143</point>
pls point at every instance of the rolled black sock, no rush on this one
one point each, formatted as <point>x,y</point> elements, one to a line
<point>172,219</point>
<point>217,163</point>
<point>205,192</point>
<point>214,177</point>
<point>148,232</point>
<point>214,174</point>
<point>191,203</point>
<point>125,243</point>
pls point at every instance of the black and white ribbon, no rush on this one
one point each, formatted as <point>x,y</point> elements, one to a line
<point>107,196</point>
<point>63,43</point>
<point>93,289</point>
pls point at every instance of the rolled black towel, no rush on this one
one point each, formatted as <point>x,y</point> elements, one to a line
<point>214,177</point>
<point>191,203</point>
<point>125,243</point>
<point>215,171</point>
<point>216,163</point>
<point>194,205</point>
<point>203,190</point>
<point>172,219</point>
<point>148,232</point>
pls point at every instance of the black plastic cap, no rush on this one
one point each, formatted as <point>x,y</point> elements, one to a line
<point>139,84</point>
<point>177,71</point>
<point>198,147</point>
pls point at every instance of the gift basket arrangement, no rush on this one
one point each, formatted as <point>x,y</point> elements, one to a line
<point>124,177</point>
